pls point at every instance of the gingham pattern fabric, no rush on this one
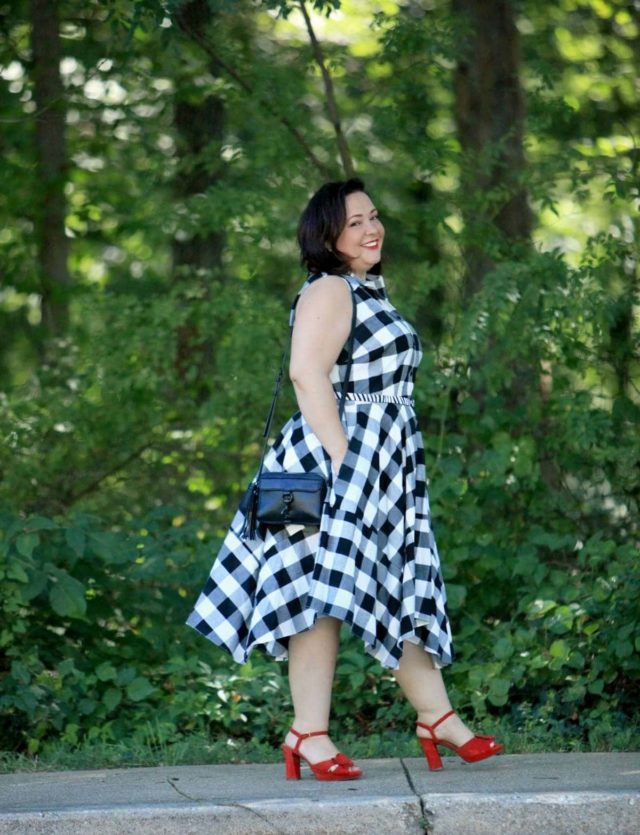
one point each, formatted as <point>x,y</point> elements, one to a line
<point>373,563</point>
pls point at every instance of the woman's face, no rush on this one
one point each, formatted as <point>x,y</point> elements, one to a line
<point>360,242</point>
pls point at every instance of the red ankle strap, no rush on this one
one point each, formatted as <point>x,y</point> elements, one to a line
<point>431,728</point>
<point>302,737</point>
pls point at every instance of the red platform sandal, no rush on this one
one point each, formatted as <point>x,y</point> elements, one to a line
<point>337,768</point>
<point>478,748</point>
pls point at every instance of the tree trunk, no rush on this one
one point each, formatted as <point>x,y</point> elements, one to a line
<point>50,209</point>
<point>199,129</point>
<point>621,349</point>
<point>489,110</point>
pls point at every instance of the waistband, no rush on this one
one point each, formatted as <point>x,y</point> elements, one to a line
<point>401,399</point>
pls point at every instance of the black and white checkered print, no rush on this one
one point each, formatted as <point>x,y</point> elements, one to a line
<point>373,563</point>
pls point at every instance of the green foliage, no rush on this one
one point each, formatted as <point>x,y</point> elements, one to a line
<point>127,443</point>
<point>542,558</point>
<point>86,659</point>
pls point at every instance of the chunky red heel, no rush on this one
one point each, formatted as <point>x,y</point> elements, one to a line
<point>337,768</point>
<point>478,748</point>
<point>291,763</point>
<point>431,753</point>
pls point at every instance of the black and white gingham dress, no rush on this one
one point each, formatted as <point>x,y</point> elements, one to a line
<point>373,563</point>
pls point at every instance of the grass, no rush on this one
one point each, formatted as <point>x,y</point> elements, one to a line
<point>203,750</point>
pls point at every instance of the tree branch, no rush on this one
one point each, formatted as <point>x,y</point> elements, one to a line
<point>332,107</point>
<point>90,488</point>
<point>207,47</point>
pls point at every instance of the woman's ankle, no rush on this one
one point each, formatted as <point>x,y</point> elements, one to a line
<point>452,729</point>
<point>433,715</point>
<point>309,726</point>
<point>312,748</point>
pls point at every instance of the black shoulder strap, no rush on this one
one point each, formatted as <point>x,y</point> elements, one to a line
<point>278,380</point>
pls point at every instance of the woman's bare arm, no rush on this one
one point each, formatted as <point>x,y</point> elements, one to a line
<point>321,328</point>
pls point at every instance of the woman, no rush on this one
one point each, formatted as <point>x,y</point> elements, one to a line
<point>373,563</point>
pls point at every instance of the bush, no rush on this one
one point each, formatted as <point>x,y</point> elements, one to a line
<point>534,496</point>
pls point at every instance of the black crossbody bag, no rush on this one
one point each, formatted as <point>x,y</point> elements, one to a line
<point>278,499</point>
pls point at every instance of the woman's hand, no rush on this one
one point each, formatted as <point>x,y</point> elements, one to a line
<point>336,463</point>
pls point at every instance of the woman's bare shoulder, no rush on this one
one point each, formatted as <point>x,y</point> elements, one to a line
<point>328,289</point>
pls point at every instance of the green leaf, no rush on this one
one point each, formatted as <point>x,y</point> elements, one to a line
<point>139,689</point>
<point>125,675</point>
<point>469,406</point>
<point>67,666</point>
<point>40,523</point>
<point>20,672</point>
<point>577,659</point>
<point>524,565</point>
<point>109,547</point>
<point>623,649</point>
<point>15,571</point>
<point>575,693</point>
<point>67,596</point>
<point>503,649</point>
<point>499,691</point>
<point>456,594</point>
<point>26,542</point>
<point>87,706</point>
<point>627,630</point>
<point>106,671</point>
<point>76,540</point>
<point>37,584</point>
<point>459,486</point>
<point>559,649</point>
<point>112,697</point>
<point>541,607</point>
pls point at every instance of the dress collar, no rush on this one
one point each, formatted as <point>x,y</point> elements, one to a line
<point>375,282</point>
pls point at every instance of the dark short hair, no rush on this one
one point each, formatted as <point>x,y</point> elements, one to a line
<point>321,224</point>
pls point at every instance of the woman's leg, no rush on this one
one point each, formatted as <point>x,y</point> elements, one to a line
<point>312,663</point>
<point>424,687</point>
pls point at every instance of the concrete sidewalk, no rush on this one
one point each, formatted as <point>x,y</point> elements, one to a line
<point>525,793</point>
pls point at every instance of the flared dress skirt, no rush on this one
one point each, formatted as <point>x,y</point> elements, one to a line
<point>373,562</point>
